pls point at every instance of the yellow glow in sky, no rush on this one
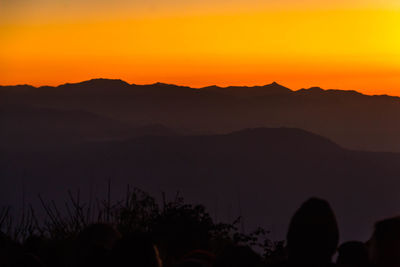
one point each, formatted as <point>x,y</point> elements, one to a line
<point>346,45</point>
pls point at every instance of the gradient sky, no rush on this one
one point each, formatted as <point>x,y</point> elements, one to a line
<point>346,44</point>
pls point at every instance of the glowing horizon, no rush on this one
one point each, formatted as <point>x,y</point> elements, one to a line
<point>349,45</point>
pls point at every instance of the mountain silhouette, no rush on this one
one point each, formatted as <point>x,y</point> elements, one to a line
<point>255,91</point>
<point>349,118</point>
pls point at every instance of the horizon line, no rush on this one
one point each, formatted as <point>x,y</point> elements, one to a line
<point>200,88</point>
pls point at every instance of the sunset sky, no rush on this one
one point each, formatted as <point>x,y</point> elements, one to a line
<point>345,44</point>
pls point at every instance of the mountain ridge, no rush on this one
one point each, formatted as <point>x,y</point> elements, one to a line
<point>120,82</point>
<point>349,118</point>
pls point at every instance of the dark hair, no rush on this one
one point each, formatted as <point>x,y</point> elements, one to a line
<point>386,241</point>
<point>313,233</point>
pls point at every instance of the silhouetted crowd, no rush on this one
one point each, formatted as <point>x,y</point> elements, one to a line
<point>312,240</point>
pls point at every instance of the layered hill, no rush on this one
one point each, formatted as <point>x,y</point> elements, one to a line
<point>30,128</point>
<point>351,119</point>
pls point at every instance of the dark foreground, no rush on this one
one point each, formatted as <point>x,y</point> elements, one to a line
<point>139,232</point>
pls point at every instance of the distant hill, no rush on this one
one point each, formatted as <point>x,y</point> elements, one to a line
<point>351,119</point>
<point>27,127</point>
<point>262,174</point>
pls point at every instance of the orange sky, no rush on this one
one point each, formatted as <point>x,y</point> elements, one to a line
<point>332,44</point>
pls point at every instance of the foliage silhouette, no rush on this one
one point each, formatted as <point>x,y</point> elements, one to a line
<point>176,227</point>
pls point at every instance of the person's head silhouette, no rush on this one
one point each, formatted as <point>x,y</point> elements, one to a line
<point>135,250</point>
<point>353,254</point>
<point>386,243</point>
<point>238,256</point>
<point>313,234</point>
<point>94,243</point>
